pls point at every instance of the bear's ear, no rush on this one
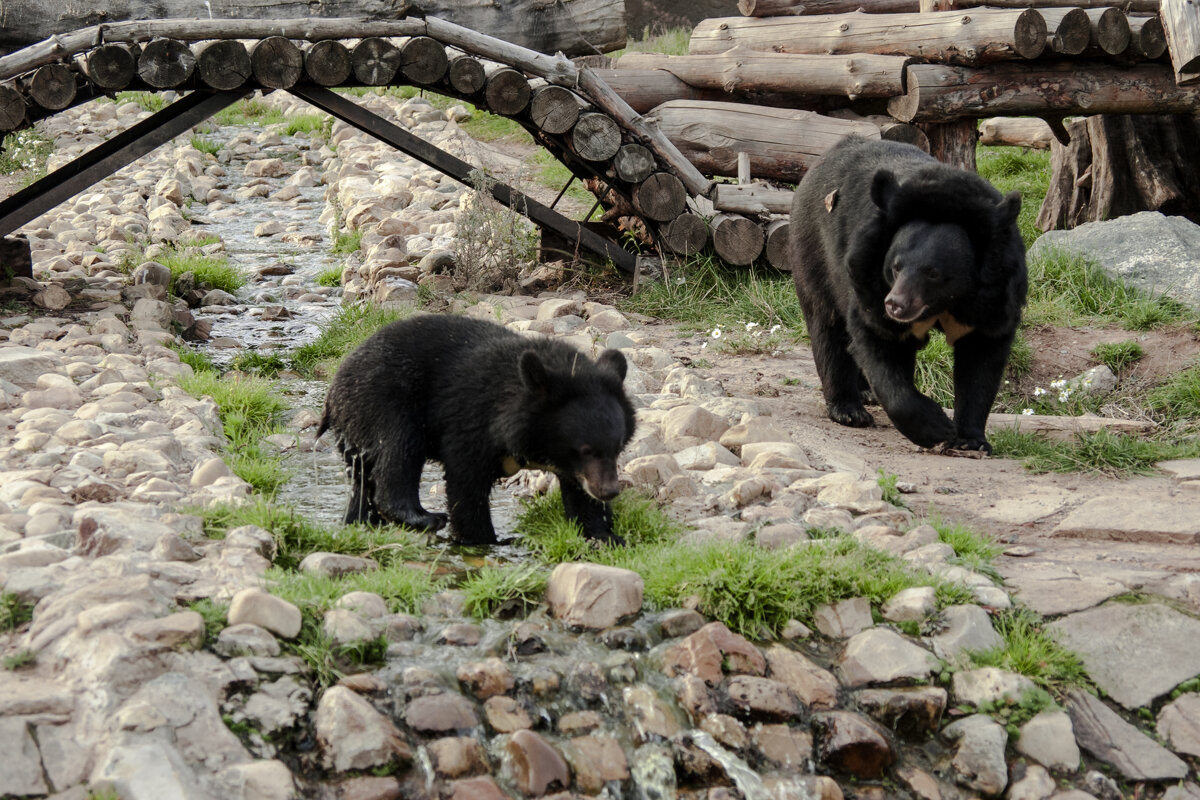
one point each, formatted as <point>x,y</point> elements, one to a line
<point>614,360</point>
<point>1009,207</point>
<point>533,373</point>
<point>883,188</point>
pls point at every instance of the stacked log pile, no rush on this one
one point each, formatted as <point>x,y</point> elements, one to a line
<point>790,77</point>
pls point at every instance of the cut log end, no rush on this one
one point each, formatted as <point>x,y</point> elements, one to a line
<point>633,163</point>
<point>507,92</point>
<point>223,64</point>
<point>277,63</point>
<point>166,63</point>
<point>685,235</point>
<point>375,61</point>
<point>328,63</point>
<point>466,75</point>
<point>661,197</point>
<point>737,240</point>
<point>1029,34</point>
<point>423,60</point>
<point>596,137</point>
<point>111,66</point>
<point>52,87</point>
<point>554,109</point>
<point>12,109</point>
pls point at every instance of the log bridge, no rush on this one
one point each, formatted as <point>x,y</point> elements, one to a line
<point>565,107</point>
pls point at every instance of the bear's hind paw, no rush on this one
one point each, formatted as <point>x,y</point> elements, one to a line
<point>854,416</point>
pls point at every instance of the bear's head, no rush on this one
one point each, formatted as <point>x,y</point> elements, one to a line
<point>584,418</point>
<point>927,267</point>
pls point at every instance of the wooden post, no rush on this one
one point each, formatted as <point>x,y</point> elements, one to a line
<point>1181,22</point>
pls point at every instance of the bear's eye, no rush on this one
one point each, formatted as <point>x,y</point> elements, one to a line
<point>586,451</point>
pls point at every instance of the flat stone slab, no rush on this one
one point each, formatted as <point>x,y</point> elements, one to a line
<point>1135,653</point>
<point>1184,469</point>
<point>1101,732</point>
<point>1051,590</point>
<point>1030,506</point>
<point>1116,518</point>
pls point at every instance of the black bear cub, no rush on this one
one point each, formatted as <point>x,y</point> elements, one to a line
<point>484,402</point>
<point>886,243</point>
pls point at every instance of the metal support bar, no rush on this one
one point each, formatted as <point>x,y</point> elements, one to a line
<point>368,122</point>
<point>103,160</point>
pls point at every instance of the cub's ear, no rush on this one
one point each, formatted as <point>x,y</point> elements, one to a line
<point>1009,207</point>
<point>533,373</point>
<point>614,360</point>
<point>883,188</point>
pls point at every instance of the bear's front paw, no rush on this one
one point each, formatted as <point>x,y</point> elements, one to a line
<point>854,416</point>
<point>427,521</point>
<point>970,443</point>
<point>967,448</point>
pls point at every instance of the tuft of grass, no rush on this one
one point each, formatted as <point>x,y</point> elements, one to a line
<point>205,145</point>
<point>22,658</point>
<point>553,538</point>
<point>216,618</point>
<point>251,111</point>
<point>972,550</point>
<point>887,482</point>
<point>935,370</point>
<point>250,409</point>
<point>350,328</point>
<point>1118,355</point>
<point>491,588</point>
<point>149,101</point>
<point>1102,452</point>
<point>1179,397</point>
<point>25,151</point>
<point>671,42</point>
<point>347,242</point>
<point>213,271</point>
<point>1027,171</point>
<point>198,360</point>
<point>484,126</point>
<point>308,123</point>
<point>403,587</point>
<point>264,365</point>
<point>706,294</point>
<point>330,277</point>
<point>1013,714</point>
<point>1030,650</point>
<point>1068,289</point>
<point>14,612</point>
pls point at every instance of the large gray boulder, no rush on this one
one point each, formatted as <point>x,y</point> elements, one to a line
<point>1149,250</point>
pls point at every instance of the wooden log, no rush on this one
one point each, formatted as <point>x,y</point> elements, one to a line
<point>633,163</point>
<point>375,61</point>
<point>781,143</point>
<point>12,108</point>
<point>783,8</point>
<point>736,239</point>
<point>423,60</point>
<point>507,92</point>
<point>52,87</point>
<point>223,63</point>
<point>1066,428</point>
<point>1110,31</point>
<point>742,68</point>
<point>643,89</point>
<point>685,235</point>
<point>466,74</point>
<point>938,92</point>
<point>111,67</point>
<point>978,37</point>
<point>661,197</point>
<point>555,109</point>
<point>328,63</point>
<point>1122,164</point>
<point>1069,29</point>
<point>755,199</point>
<point>276,62</point>
<point>165,63</point>
<point>596,137</point>
<point>777,251</point>
<point>1147,39</point>
<point>889,129</point>
<point>1181,23</point>
<point>1029,132</point>
<point>574,27</point>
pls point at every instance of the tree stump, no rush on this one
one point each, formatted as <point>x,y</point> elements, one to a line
<point>1121,164</point>
<point>328,63</point>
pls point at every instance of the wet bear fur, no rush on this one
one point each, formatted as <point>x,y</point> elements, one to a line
<point>483,401</point>
<point>887,242</point>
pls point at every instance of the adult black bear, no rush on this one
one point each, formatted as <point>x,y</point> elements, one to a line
<point>887,243</point>
<point>483,401</point>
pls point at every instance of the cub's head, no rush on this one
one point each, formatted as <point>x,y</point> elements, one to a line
<point>585,418</point>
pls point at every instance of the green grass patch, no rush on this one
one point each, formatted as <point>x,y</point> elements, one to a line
<point>971,550</point>
<point>1030,650</point>
<point>1068,289</point>
<point>198,360</point>
<point>25,151</point>
<point>1027,171</point>
<point>19,659</point>
<point>264,365</point>
<point>205,145</point>
<point>1118,355</point>
<point>321,124</point>
<point>331,276</point>
<point>350,328</point>
<point>1100,453</point>
<point>706,294</point>
<point>491,589</point>
<point>402,586</point>
<point>149,101</point>
<point>888,481</point>
<point>346,242</point>
<point>252,111</point>
<point>250,408</point>
<point>1178,399</point>
<point>211,271</point>
<point>752,590</point>
<point>14,612</point>
<point>216,618</point>
<point>671,42</point>
<point>487,127</point>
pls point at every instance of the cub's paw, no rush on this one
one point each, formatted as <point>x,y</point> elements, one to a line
<point>850,414</point>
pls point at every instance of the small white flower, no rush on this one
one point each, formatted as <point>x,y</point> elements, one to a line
<point>1027,412</point>
<point>775,328</point>
<point>716,333</point>
<point>1038,392</point>
<point>751,326</point>
<point>704,345</point>
<point>1058,384</point>
<point>1064,397</point>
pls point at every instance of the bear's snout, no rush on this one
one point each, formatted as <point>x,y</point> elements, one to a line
<point>903,307</point>
<point>599,479</point>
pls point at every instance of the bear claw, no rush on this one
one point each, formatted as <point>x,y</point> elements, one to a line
<point>854,417</point>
